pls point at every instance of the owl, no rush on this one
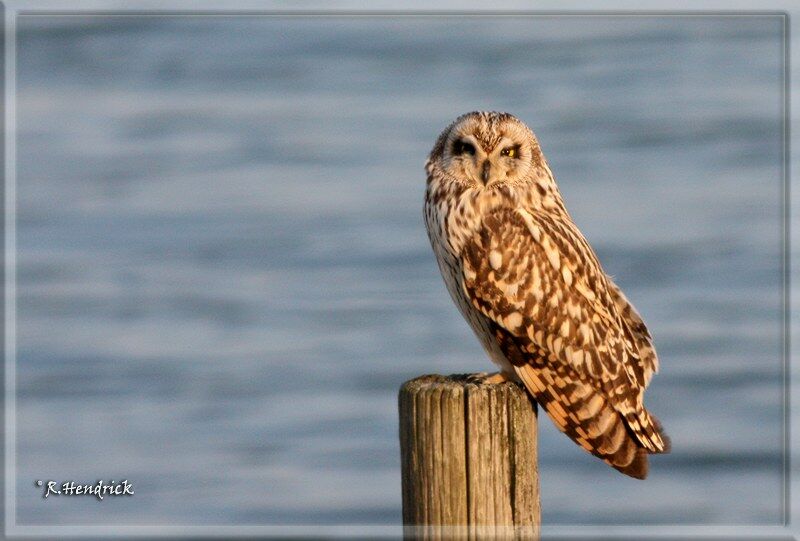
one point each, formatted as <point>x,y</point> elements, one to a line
<point>533,290</point>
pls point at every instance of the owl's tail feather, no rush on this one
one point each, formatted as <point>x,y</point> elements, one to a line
<point>647,430</point>
<point>659,428</point>
<point>638,467</point>
<point>587,418</point>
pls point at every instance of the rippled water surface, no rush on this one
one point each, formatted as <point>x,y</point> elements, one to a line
<point>223,275</point>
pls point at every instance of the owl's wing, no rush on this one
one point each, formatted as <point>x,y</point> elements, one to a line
<point>554,316</point>
<point>636,330</point>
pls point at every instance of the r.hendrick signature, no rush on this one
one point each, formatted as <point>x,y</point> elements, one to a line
<point>98,490</point>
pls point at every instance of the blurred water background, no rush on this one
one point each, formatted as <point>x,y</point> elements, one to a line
<point>223,276</point>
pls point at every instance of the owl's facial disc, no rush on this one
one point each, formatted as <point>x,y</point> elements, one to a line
<point>486,164</point>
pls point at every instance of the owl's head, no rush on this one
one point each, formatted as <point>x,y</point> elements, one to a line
<point>483,150</point>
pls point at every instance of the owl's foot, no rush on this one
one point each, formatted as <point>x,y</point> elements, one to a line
<point>481,378</point>
<point>497,377</point>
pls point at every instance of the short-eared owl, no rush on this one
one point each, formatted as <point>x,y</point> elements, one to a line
<point>532,289</point>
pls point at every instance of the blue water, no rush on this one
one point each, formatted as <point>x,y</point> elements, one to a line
<point>223,275</point>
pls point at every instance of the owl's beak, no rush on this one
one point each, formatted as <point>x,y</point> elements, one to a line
<point>485,172</point>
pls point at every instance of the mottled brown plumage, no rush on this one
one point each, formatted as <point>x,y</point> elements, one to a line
<point>533,291</point>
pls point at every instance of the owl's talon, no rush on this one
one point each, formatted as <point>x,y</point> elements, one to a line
<point>476,378</point>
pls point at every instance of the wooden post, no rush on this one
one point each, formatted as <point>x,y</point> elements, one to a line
<point>468,454</point>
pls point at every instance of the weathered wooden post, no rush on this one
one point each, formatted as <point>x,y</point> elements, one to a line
<point>468,453</point>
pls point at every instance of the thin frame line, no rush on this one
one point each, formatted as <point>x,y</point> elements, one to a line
<point>390,13</point>
<point>10,296</point>
<point>787,269</point>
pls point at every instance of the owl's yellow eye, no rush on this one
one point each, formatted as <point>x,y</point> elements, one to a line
<point>511,152</point>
